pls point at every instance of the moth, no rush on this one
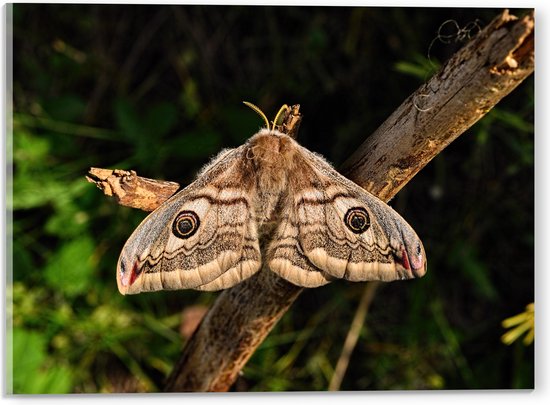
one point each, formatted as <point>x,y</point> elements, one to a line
<point>275,202</point>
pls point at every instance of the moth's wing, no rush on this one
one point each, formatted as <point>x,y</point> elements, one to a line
<point>321,201</point>
<point>248,263</point>
<point>225,239</point>
<point>288,260</point>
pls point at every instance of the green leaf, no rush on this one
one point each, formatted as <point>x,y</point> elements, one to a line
<point>29,150</point>
<point>29,352</point>
<point>68,220</point>
<point>33,372</point>
<point>29,192</point>
<point>411,69</point>
<point>419,67</point>
<point>22,260</point>
<point>55,379</point>
<point>70,269</point>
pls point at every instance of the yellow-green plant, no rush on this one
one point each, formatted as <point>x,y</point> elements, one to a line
<point>520,324</point>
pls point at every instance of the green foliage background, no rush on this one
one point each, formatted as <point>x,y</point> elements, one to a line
<point>159,90</point>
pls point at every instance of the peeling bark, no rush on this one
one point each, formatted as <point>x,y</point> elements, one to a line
<point>470,84</point>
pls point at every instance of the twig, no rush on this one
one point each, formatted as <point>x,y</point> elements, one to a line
<point>131,190</point>
<point>353,335</point>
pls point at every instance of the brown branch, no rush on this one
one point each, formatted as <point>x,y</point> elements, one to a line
<point>131,190</point>
<point>489,67</point>
<point>470,84</point>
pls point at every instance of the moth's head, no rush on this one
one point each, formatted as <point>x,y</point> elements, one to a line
<point>268,147</point>
<point>270,152</point>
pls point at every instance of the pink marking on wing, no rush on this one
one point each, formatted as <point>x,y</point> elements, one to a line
<point>134,273</point>
<point>405,259</point>
<point>123,275</point>
<point>417,262</point>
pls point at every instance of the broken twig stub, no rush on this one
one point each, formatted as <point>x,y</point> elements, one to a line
<point>131,190</point>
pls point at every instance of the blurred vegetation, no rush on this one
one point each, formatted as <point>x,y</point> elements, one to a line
<point>159,90</point>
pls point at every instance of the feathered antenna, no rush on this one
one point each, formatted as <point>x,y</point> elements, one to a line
<point>259,112</point>
<point>282,110</point>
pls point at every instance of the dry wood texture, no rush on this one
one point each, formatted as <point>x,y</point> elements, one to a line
<point>131,190</point>
<point>470,84</point>
<point>476,78</point>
